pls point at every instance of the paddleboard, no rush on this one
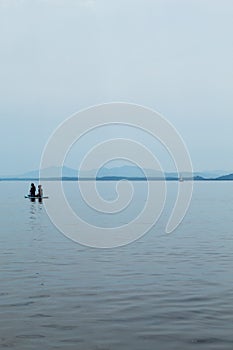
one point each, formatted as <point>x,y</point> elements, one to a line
<point>30,197</point>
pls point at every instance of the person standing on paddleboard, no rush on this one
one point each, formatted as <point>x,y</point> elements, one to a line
<point>32,190</point>
<point>40,191</point>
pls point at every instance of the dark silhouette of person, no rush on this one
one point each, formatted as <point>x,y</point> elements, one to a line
<point>33,190</point>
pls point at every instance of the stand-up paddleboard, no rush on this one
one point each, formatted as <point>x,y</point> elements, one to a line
<point>31,197</point>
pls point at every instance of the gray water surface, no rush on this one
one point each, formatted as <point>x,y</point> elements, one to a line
<point>161,292</point>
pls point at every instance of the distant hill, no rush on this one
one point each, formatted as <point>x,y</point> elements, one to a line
<point>228,177</point>
<point>211,173</point>
<point>199,178</point>
<point>127,171</point>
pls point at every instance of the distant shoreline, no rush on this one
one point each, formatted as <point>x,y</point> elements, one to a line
<point>117,178</point>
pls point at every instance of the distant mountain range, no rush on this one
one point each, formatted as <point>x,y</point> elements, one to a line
<point>118,173</point>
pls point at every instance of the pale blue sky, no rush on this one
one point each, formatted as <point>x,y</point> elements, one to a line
<point>59,56</point>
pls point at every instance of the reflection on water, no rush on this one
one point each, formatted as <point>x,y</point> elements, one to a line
<point>35,217</point>
<point>33,200</point>
<point>161,292</point>
<point>32,211</point>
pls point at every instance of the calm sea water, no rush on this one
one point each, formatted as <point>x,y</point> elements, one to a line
<point>161,292</point>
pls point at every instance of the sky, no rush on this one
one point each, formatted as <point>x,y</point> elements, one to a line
<point>60,56</point>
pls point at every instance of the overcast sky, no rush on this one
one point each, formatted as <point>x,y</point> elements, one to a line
<point>60,56</point>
